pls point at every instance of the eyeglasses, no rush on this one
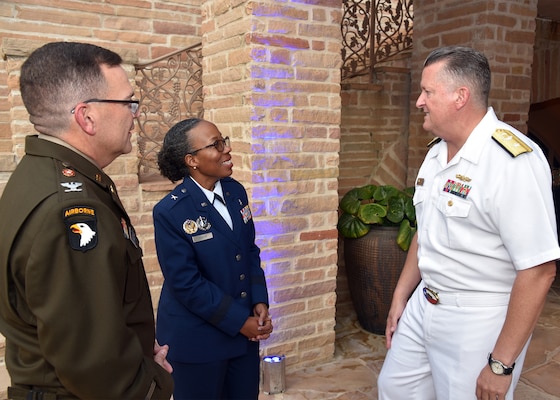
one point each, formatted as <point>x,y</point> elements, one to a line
<point>219,144</point>
<point>134,104</point>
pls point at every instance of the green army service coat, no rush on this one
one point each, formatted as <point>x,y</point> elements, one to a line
<point>75,304</point>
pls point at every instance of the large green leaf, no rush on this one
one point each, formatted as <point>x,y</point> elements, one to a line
<point>366,192</point>
<point>405,235</point>
<point>410,210</point>
<point>395,209</point>
<point>409,191</point>
<point>351,227</point>
<point>384,193</point>
<point>372,213</point>
<point>352,200</point>
<point>377,205</point>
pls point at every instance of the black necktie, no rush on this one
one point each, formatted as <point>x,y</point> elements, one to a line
<point>218,197</point>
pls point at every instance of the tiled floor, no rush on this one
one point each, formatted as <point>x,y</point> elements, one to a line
<point>359,355</point>
<point>352,373</point>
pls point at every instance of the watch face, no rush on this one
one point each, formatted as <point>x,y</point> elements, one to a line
<point>497,368</point>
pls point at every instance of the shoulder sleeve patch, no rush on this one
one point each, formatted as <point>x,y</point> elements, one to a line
<point>510,143</point>
<point>81,224</point>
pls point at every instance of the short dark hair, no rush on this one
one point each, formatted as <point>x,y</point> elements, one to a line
<point>59,75</point>
<point>465,65</point>
<point>176,145</point>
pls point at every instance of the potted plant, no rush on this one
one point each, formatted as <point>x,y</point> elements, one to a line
<point>370,205</point>
<point>377,223</point>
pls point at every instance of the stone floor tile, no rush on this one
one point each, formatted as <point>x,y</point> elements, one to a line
<point>352,373</point>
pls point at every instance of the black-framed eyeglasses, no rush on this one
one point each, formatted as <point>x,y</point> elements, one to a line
<point>134,104</point>
<point>219,144</point>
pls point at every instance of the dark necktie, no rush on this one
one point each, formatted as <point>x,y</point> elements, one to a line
<point>218,197</point>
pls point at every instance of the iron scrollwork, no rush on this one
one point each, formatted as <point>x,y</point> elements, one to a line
<point>372,32</point>
<point>170,91</point>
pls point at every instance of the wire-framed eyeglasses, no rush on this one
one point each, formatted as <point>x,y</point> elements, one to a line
<point>219,144</point>
<point>134,104</point>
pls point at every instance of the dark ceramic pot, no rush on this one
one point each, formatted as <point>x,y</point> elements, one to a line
<point>373,265</point>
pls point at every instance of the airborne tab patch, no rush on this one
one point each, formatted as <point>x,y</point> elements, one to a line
<point>81,224</point>
<point>511,143</point>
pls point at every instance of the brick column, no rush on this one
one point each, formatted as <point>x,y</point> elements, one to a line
<point>272,83</point>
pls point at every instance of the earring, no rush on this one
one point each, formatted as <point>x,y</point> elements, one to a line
<point>194,167</point>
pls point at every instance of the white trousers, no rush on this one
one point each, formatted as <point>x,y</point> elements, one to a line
<point>438,351</point>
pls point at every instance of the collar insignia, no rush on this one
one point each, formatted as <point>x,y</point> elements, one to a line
<point>71,186</point>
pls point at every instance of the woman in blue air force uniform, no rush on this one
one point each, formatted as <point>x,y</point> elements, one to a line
<point>213,309</point>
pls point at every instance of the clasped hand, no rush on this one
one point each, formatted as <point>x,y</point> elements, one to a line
<point>259,326</point>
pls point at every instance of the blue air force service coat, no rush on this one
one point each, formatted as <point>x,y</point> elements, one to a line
<point>213,276</point>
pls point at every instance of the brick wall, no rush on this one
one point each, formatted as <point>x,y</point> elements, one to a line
<point>504,31</point>
<point>138,30</point>
<point>546,74</point>
<point>272,83</point>
<point>373,141</point>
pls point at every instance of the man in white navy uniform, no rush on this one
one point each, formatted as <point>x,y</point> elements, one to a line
<point>480,266</point>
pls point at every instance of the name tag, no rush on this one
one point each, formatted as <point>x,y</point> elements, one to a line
<point>201,238</point>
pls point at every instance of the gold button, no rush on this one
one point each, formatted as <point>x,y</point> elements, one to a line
<point>450,203</point>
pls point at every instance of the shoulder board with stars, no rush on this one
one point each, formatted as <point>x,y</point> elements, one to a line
<point>510,143</point>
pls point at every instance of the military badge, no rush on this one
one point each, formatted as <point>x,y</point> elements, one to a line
<point>133,237</point>
<point>125,229</point>
<point>81,224</point>
<point>463,177</point>
<point>246,213</point>
<point>190,227</point>
<point>68,172</point>
<point>457,188</point>
<point>72,186</point>
<point>203,223</point>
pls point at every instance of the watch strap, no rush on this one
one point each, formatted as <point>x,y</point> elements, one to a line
<point>507,370</point>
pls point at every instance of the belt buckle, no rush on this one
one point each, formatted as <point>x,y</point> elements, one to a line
<point>431,295</point>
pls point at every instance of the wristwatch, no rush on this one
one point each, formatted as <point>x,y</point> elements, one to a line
<point>498,367</point>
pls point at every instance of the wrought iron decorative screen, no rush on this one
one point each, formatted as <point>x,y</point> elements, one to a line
<point>170,91</point>
<point>373,31</point>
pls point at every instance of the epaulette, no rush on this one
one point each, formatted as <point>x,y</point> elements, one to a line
<point>69,181</point>
<point>510,143</point>
<point>433,141</point>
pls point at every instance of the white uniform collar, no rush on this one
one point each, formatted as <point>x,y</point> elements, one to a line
<point>209,193</point>
<point>472,148</point>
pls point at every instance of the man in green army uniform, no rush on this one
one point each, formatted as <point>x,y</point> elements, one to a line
<point>75,305</point>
